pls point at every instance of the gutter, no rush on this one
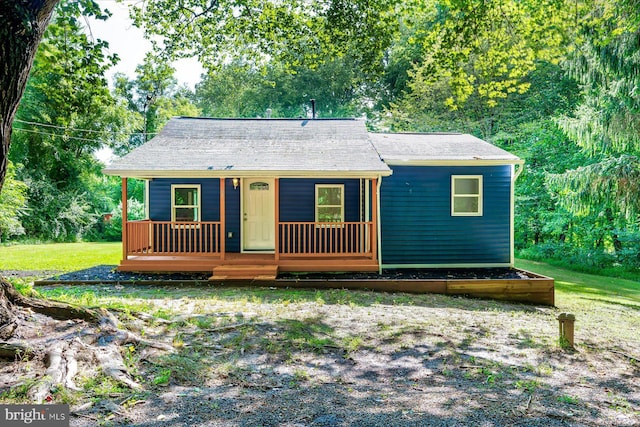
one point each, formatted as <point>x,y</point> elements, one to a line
<point>516,173</point>
<point>378,225</point>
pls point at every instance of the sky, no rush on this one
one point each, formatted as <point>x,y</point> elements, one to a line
<point>128,42</point>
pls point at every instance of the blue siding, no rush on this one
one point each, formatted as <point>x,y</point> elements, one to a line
<point>160,197</point>
<point>416,221</point>
<point>160,210</point>
<point>232,216</point>
<point>160,204</point>
<point>297,198</point>
<point>297,202</point>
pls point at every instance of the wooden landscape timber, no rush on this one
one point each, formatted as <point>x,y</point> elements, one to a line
<point>534,289</point>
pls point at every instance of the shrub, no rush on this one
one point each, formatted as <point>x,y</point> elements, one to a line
<point>113,226</point>
<point>56,215</point>
<point>13,201</point>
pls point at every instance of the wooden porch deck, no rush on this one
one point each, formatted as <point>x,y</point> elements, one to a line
<point>207,263</point>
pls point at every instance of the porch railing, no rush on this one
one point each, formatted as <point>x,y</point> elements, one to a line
<point>295,239</point>
<point>173,238</point>
<point>308,239</point>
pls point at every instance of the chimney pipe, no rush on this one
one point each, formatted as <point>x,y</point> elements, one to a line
<point>313,108</point>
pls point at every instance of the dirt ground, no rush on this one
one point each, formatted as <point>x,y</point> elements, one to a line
<point>266,357</point>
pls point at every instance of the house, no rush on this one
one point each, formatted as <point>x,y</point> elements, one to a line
<point>249,198</point>
<point>448,203</point>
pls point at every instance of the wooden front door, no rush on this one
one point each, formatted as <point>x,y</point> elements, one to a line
<point>258,214</point>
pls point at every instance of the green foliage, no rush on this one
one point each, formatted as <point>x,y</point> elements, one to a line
<point>54,214</point>
<point>483,49</point>
<point>292,33</point>
<point>241,89</point>
<point>423,108</point>
<point>607,63</point>
<point>152,98</point>
<point>113,227</point>
<point>546,226</point>
<point>67,89</point>
<point>613,183</point>
<point>66,114</point>
<point>13,201</point>
<point>607,123</point>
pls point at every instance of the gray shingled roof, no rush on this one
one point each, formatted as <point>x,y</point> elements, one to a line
<point>433,147</point>
<point>229,147</point>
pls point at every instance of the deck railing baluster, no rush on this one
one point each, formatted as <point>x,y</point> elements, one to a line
<point>325,239</point>
<point>297,239</point>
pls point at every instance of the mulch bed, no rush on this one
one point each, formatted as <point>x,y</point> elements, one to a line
<point>108,274</point>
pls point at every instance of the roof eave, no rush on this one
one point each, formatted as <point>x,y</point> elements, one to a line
<point>455,162</point>
<point>149,174</point>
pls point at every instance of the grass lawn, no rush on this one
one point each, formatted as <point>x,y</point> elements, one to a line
<point>572,288</point>
<point>575,289</point>
<point>338,357</point>
<point>59,256</point>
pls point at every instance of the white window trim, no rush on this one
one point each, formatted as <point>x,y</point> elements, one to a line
<point>198,204</point>
<point>479,195</point>
<point>319,186</point>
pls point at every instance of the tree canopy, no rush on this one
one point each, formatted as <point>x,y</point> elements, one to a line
<point>552,81</point>
<point>295,33</point>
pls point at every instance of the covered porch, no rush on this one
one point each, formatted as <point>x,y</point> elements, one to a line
<point>298,246</point>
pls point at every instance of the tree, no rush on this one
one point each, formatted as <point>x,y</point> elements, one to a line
<point>488,48</point>
<point>153,97</point>
<point>66,114</point>
<point>607,123</point>
<point>294,33</point>
<point>243,89</point>
<point>23,24</point>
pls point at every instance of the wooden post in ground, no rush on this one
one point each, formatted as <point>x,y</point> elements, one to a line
<point>566,324</point>
<point>276,215</point>
<point>125,214</point>
<point>223,225</point>
<point>374,219</point>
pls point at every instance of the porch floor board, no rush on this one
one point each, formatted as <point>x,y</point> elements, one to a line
<point>245,272</point>
<point>207,263</point>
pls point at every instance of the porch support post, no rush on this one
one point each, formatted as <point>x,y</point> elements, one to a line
<point>125,214</point>
<point>276,216</point>
<point>223,225</point>
<point>374,219</point>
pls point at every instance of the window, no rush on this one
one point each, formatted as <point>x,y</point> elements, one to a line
<point>259,186</point>
<point>329,203</point>
<point>185,203</point>
<point>466,195</point>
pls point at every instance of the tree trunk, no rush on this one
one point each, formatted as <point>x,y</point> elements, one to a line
<point>22,24</point>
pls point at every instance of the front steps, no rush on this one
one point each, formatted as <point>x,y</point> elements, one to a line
<point>244,272</point>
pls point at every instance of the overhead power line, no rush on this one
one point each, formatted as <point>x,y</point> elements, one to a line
<point>58,135</point>
<point>46,125</point>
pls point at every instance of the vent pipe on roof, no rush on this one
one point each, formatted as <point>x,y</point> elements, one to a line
<point>268,113</point>
<point>313,108</point>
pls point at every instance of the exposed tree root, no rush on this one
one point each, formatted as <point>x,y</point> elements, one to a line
<point>15,351</point>
<point>53,309</point>
<point>99,342</point>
